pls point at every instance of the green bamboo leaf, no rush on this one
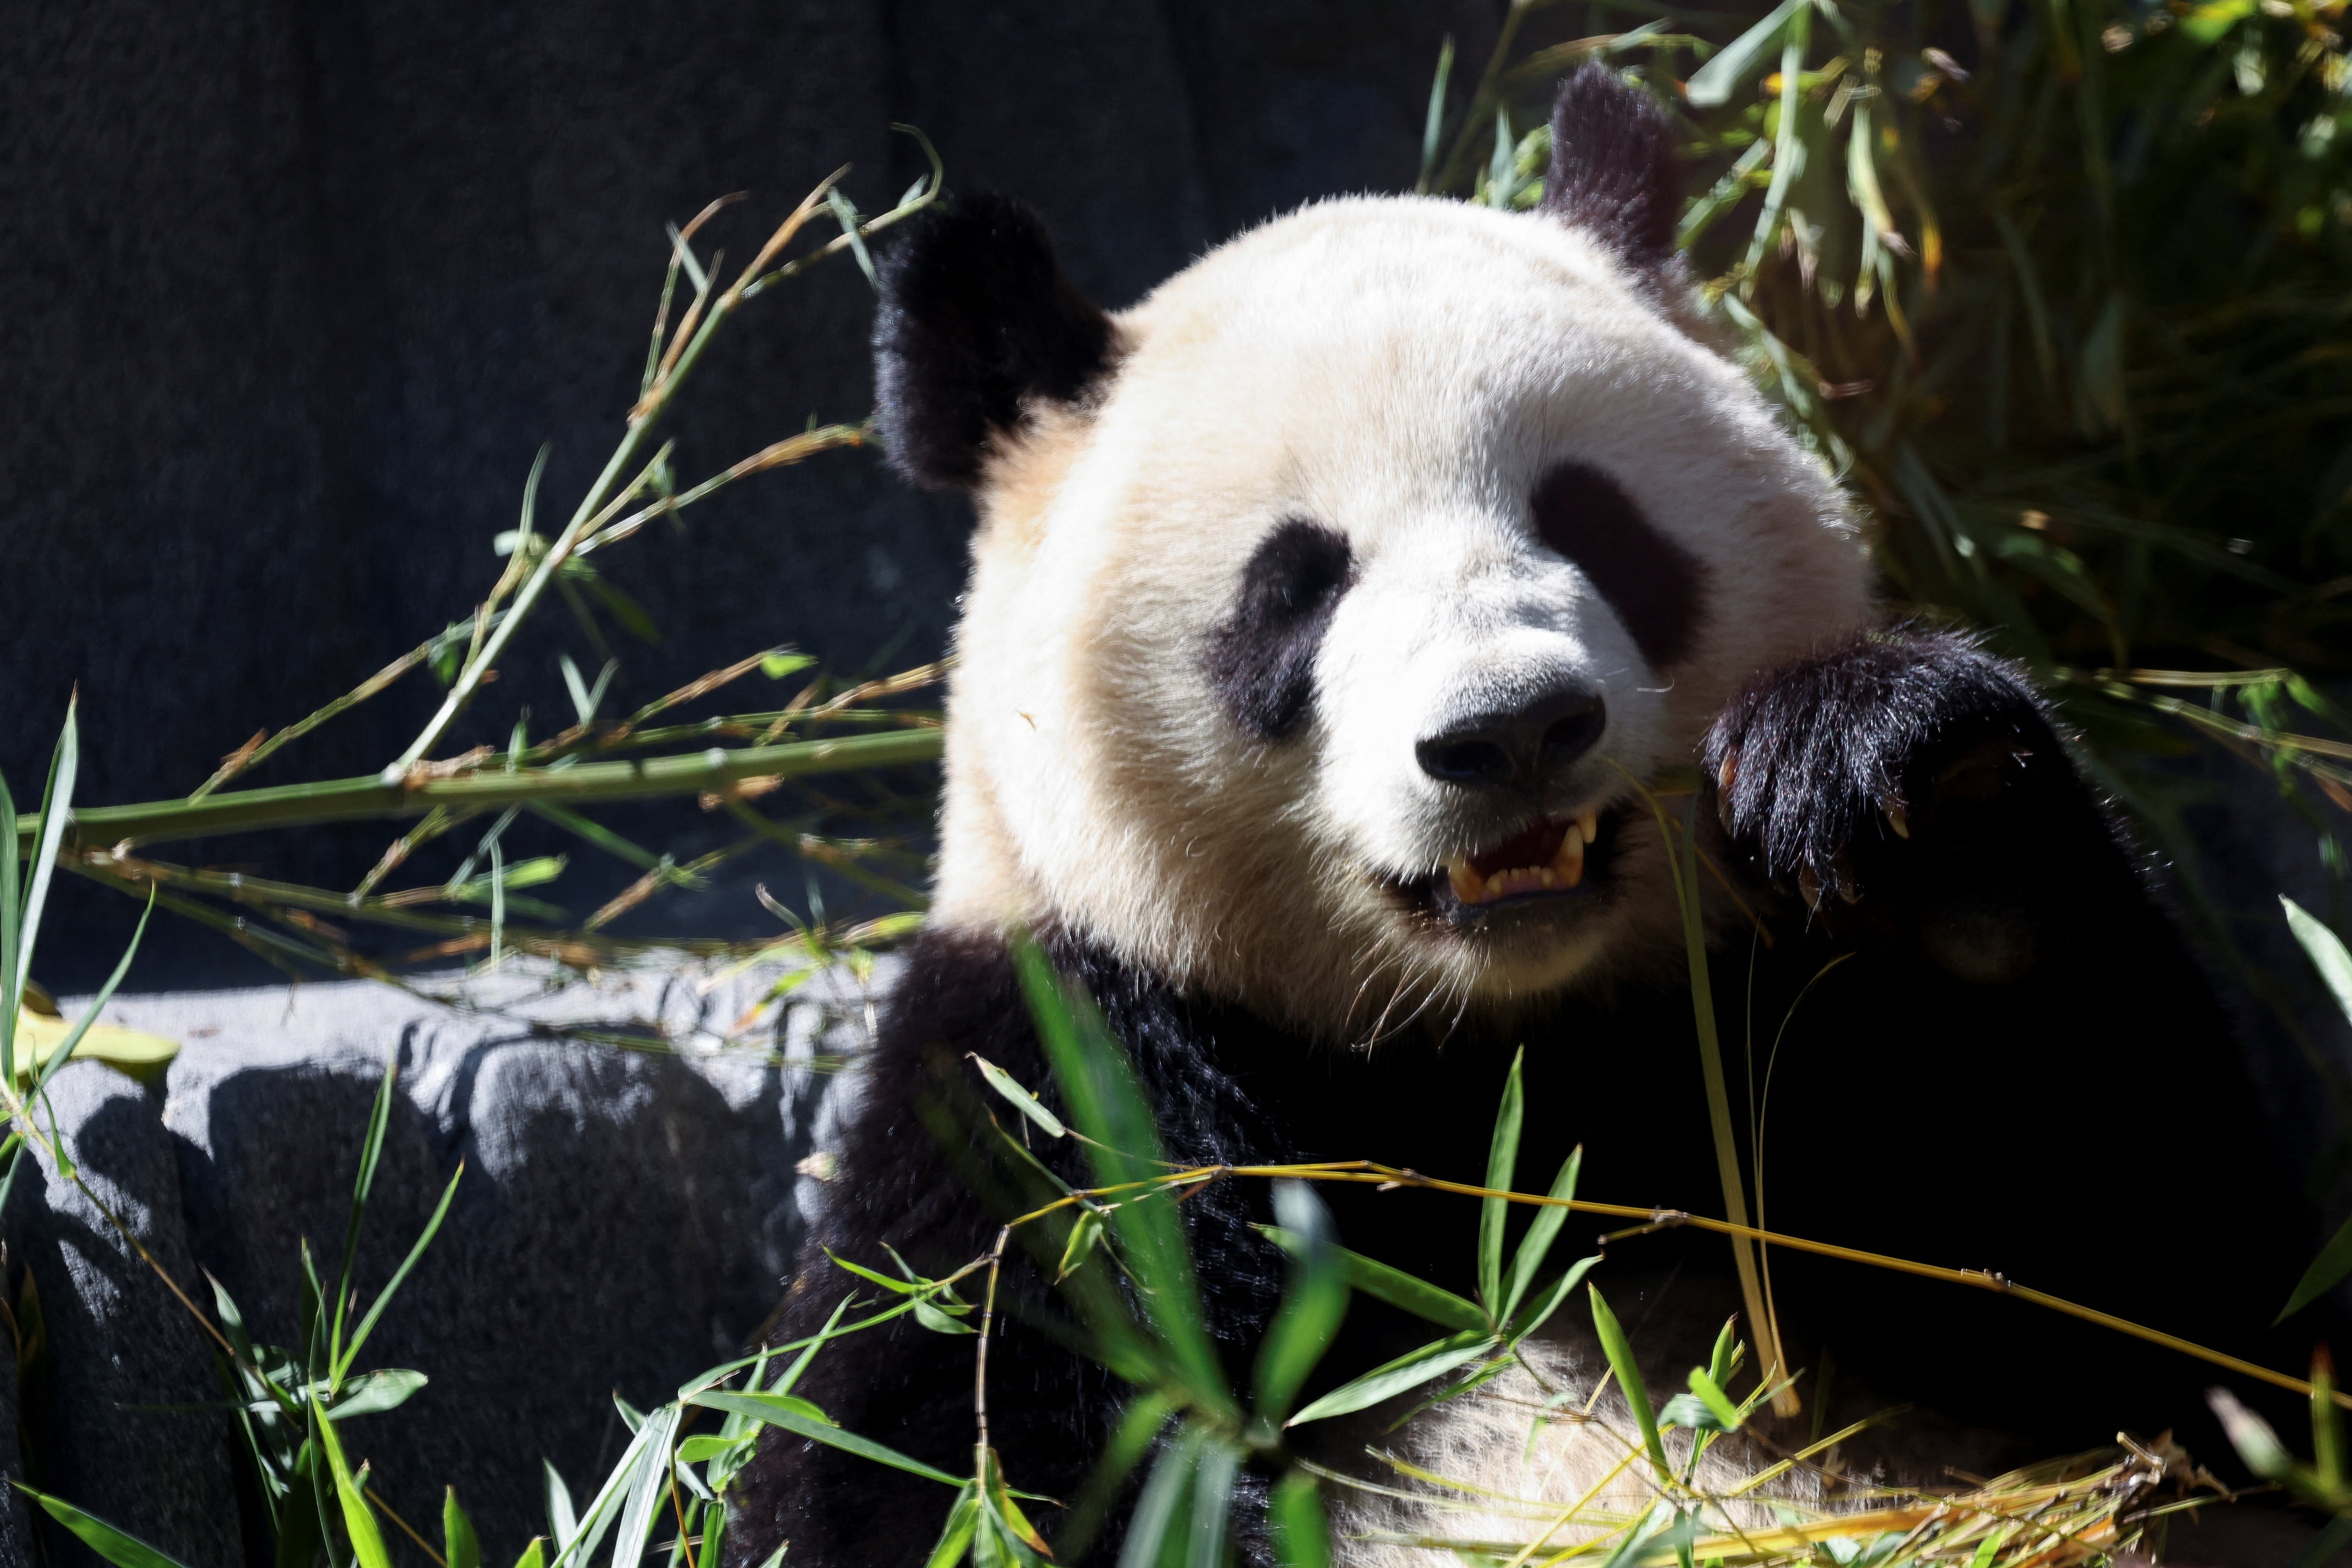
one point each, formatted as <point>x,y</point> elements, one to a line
<point>371,1394</point>
<point>1026,1103</point>
<point>1494,1214</point>
<point>117,1546</point>
<point>2326,1271</point>
<point>20,924</point>
<point>359,1519</point>
<point>534,1554</point>
<point>955,1539</point>
<point>1311,1308</point>
<point>459,1546</point>
<point>1408,1371</point>
<point>1549,1302</point>
<point>795,1416</point>
<point>1541,1232</point>
<point>1408,1292</point>
<point>143,1057</point>
<point>903,1287</point>
<point>399,1275</point>
<point>371,1151</point>
<point>1106,1103</point>
<point>703,1446</point>
<point>1713,83</point>
<point>1301,1527</point>
<point>1434,125</point>
<point>1213,1494</point>
<point>1165,1490</point>
<point>1619,1352</point>
<point>1711,1394</point>
<point>1083,1235</point>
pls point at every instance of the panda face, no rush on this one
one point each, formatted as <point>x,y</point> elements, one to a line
<point>1315,652</point>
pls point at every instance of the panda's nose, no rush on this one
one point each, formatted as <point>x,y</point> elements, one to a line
<point>1515,747</point>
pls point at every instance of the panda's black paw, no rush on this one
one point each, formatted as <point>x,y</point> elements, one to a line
<point>1906,772</point>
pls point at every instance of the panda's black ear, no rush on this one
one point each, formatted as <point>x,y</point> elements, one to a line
<point>1613,174</point>
<point>976,319</point>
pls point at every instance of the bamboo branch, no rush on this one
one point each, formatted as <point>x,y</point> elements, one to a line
<point>413,791</point>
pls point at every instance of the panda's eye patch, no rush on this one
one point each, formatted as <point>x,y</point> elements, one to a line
<point>1261,659</point>
<point>1653,583</point>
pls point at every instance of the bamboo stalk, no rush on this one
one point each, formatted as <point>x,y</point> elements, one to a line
<point>393,794</point>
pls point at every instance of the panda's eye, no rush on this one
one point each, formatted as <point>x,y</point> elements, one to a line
<point>1653,583</point>
<point>1261,659</point>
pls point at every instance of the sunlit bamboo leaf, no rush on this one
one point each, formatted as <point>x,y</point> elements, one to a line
<point>1541,1232</point>
<point>1004,1084</point>
<point>1494,1213</point>
<point>1714,83</point>
<point>1619,1352</point>
<point>799,1415</point>
<point>1409,1371</point>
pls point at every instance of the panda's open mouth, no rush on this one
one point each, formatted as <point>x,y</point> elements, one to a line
<point>1552,859</point>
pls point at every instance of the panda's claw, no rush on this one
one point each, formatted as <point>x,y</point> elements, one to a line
<point>1898,817</point>
<point>1810,886</point>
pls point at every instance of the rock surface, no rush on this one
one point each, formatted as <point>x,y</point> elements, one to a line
<point>625,1219</point>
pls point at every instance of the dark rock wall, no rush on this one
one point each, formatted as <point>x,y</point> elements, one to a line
<point>293,291</point>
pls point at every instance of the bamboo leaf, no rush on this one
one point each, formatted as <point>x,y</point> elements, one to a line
<point>1298,1524</point>
<point>359,1519</point>
<point>1541,1232</point>
<point>1006,1085</point>
<point>1494,1214</point>
<point>1713,83</point>
<point>118,1547</point>
<point>1619,1352</point>
<point>371,1394</point>
<point>1311,1308</point>
<point>792,1416</point>
<point>2326,951</point>
<point>1108,1105</point>
<point>2326,1271</point>
<point>392,1286</point>
<point>1408,1292</point>
<point>1408,1371</point>
<point>1164,1492</point>
<point>955,1538</point>
<point>459,1546</point>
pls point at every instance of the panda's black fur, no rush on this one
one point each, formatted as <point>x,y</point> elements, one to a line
<point>2017,1065</point>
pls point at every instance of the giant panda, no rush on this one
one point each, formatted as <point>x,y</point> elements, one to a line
<point>1327,610</point>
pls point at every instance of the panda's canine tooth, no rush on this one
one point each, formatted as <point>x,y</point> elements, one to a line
<point>1588,824</point>
<point>1569,864</point>
<point>1468,885</point>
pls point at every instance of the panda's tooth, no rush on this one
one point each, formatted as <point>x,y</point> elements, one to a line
<point>1568,865</point>
<point>1587,825</point>
<point>1468,885</point>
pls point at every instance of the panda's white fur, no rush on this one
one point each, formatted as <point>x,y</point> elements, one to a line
<point>1402,370</point>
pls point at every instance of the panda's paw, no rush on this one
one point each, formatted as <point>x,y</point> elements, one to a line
<point>1903,763</point>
